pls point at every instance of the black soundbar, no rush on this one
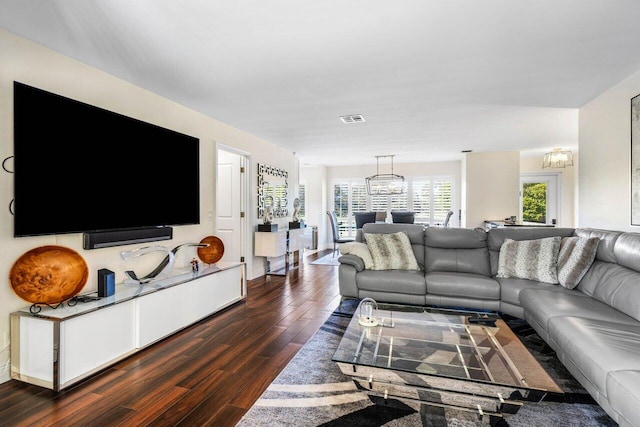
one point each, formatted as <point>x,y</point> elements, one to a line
<point>106,239</point>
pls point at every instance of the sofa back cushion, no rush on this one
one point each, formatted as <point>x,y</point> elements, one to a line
<point>607,242</point>
<point>415,232</point>
<point>496,236</point>
<point>458,250</point>
<point>617,285</point>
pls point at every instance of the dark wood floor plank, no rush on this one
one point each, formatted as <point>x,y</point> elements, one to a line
<point>252,391</point>
<point>207,375</point>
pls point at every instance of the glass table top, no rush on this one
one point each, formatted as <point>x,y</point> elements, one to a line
<point>435,342</point>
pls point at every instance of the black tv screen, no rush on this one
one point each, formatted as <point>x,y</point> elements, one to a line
<point>80,168</point>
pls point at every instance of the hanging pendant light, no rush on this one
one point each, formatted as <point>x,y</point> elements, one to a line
<point>557,159</point>
<point>384,184</point>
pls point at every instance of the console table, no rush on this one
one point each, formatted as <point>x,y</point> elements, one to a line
<point>282,243</point>
<point>56,348</point>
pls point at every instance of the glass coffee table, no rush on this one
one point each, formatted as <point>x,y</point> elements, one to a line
<point>450,358</point>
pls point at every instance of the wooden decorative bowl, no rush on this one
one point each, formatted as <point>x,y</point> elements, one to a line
<point>213,253</point>
<point>48,275</point>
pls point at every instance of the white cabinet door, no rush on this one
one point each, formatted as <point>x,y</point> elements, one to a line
<point>96,339</point>
<point>33,361</point>
<point>162,313</point>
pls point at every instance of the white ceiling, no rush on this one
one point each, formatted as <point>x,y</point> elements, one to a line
<point>431,77</point>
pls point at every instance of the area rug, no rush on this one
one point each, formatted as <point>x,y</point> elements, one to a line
<point>311,391</point>
<point>330,259</point>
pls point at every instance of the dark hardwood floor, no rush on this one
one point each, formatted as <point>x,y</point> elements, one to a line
<point>208,374</point>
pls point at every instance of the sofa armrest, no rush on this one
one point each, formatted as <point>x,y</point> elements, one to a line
<point>347,280</point>
<point>352,260</point>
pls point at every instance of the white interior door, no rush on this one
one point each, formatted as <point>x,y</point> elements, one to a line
<point>230,205</point>
<point>539,199</point>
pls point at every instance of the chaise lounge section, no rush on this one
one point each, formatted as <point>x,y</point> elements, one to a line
<point>594,326</point>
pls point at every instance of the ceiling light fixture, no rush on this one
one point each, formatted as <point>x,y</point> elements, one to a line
<point>557,159</point>
<point>384,184</point>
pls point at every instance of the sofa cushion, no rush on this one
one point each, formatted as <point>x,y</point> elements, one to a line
<point>614,285</point>
<point>474,261</point>
<point>574,259</point>
<point>414,231</point>
<point>455,238</point>
<point>541,305</point>
<point>457,250</point>
<point>391,251</point>
<point>510,288</point>
<point>623,390</point>
<point>392,281</point>
<point>607,242</point>
<point>358,249</point>
<point>596,347</point>
<point>627,250</point>
<point>462,285</point>
<point>530,259</point>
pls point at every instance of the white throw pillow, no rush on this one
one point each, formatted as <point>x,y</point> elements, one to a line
<point>530,259</point>
<point>391,251</point>
<point>575,257</point>
<point>358,249</point>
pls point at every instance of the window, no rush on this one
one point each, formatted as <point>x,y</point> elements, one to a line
<point>358,198</point>
<point>442,197</point>
<point>422,200</point>
<point>429,197</point>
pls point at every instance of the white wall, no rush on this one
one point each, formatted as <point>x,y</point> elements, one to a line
<point>566,181</point>
<point>604,178</point>
<point>492,187</point>
<point>35,65</point>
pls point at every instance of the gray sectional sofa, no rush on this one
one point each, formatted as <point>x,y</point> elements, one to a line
<point>594,328</point>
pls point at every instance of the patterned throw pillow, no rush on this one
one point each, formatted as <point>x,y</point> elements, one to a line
<point>575,258</point>
<point>358,249</point>
<point>391,251</point>
<point>530,259</point>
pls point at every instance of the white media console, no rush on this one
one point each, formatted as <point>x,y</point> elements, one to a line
<point>56,348</point>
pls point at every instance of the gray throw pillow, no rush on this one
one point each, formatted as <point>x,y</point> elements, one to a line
<point>391,251</point>
<point>358,249</point>
<point>575,257</point>
<point>530,259</point>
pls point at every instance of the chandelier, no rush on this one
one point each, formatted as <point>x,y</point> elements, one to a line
<point>386,183</point>
<point>557,159</point>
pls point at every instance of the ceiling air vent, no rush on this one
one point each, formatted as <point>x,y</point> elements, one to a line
<point>353,118</point>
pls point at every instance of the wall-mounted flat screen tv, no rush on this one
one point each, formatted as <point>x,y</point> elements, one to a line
<point>80,168</point>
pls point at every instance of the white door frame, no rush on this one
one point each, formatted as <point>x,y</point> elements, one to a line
<point>245,201</point>
<point>554,182</point>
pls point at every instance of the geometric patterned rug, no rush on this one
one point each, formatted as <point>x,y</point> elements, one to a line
<point>311,391</point>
